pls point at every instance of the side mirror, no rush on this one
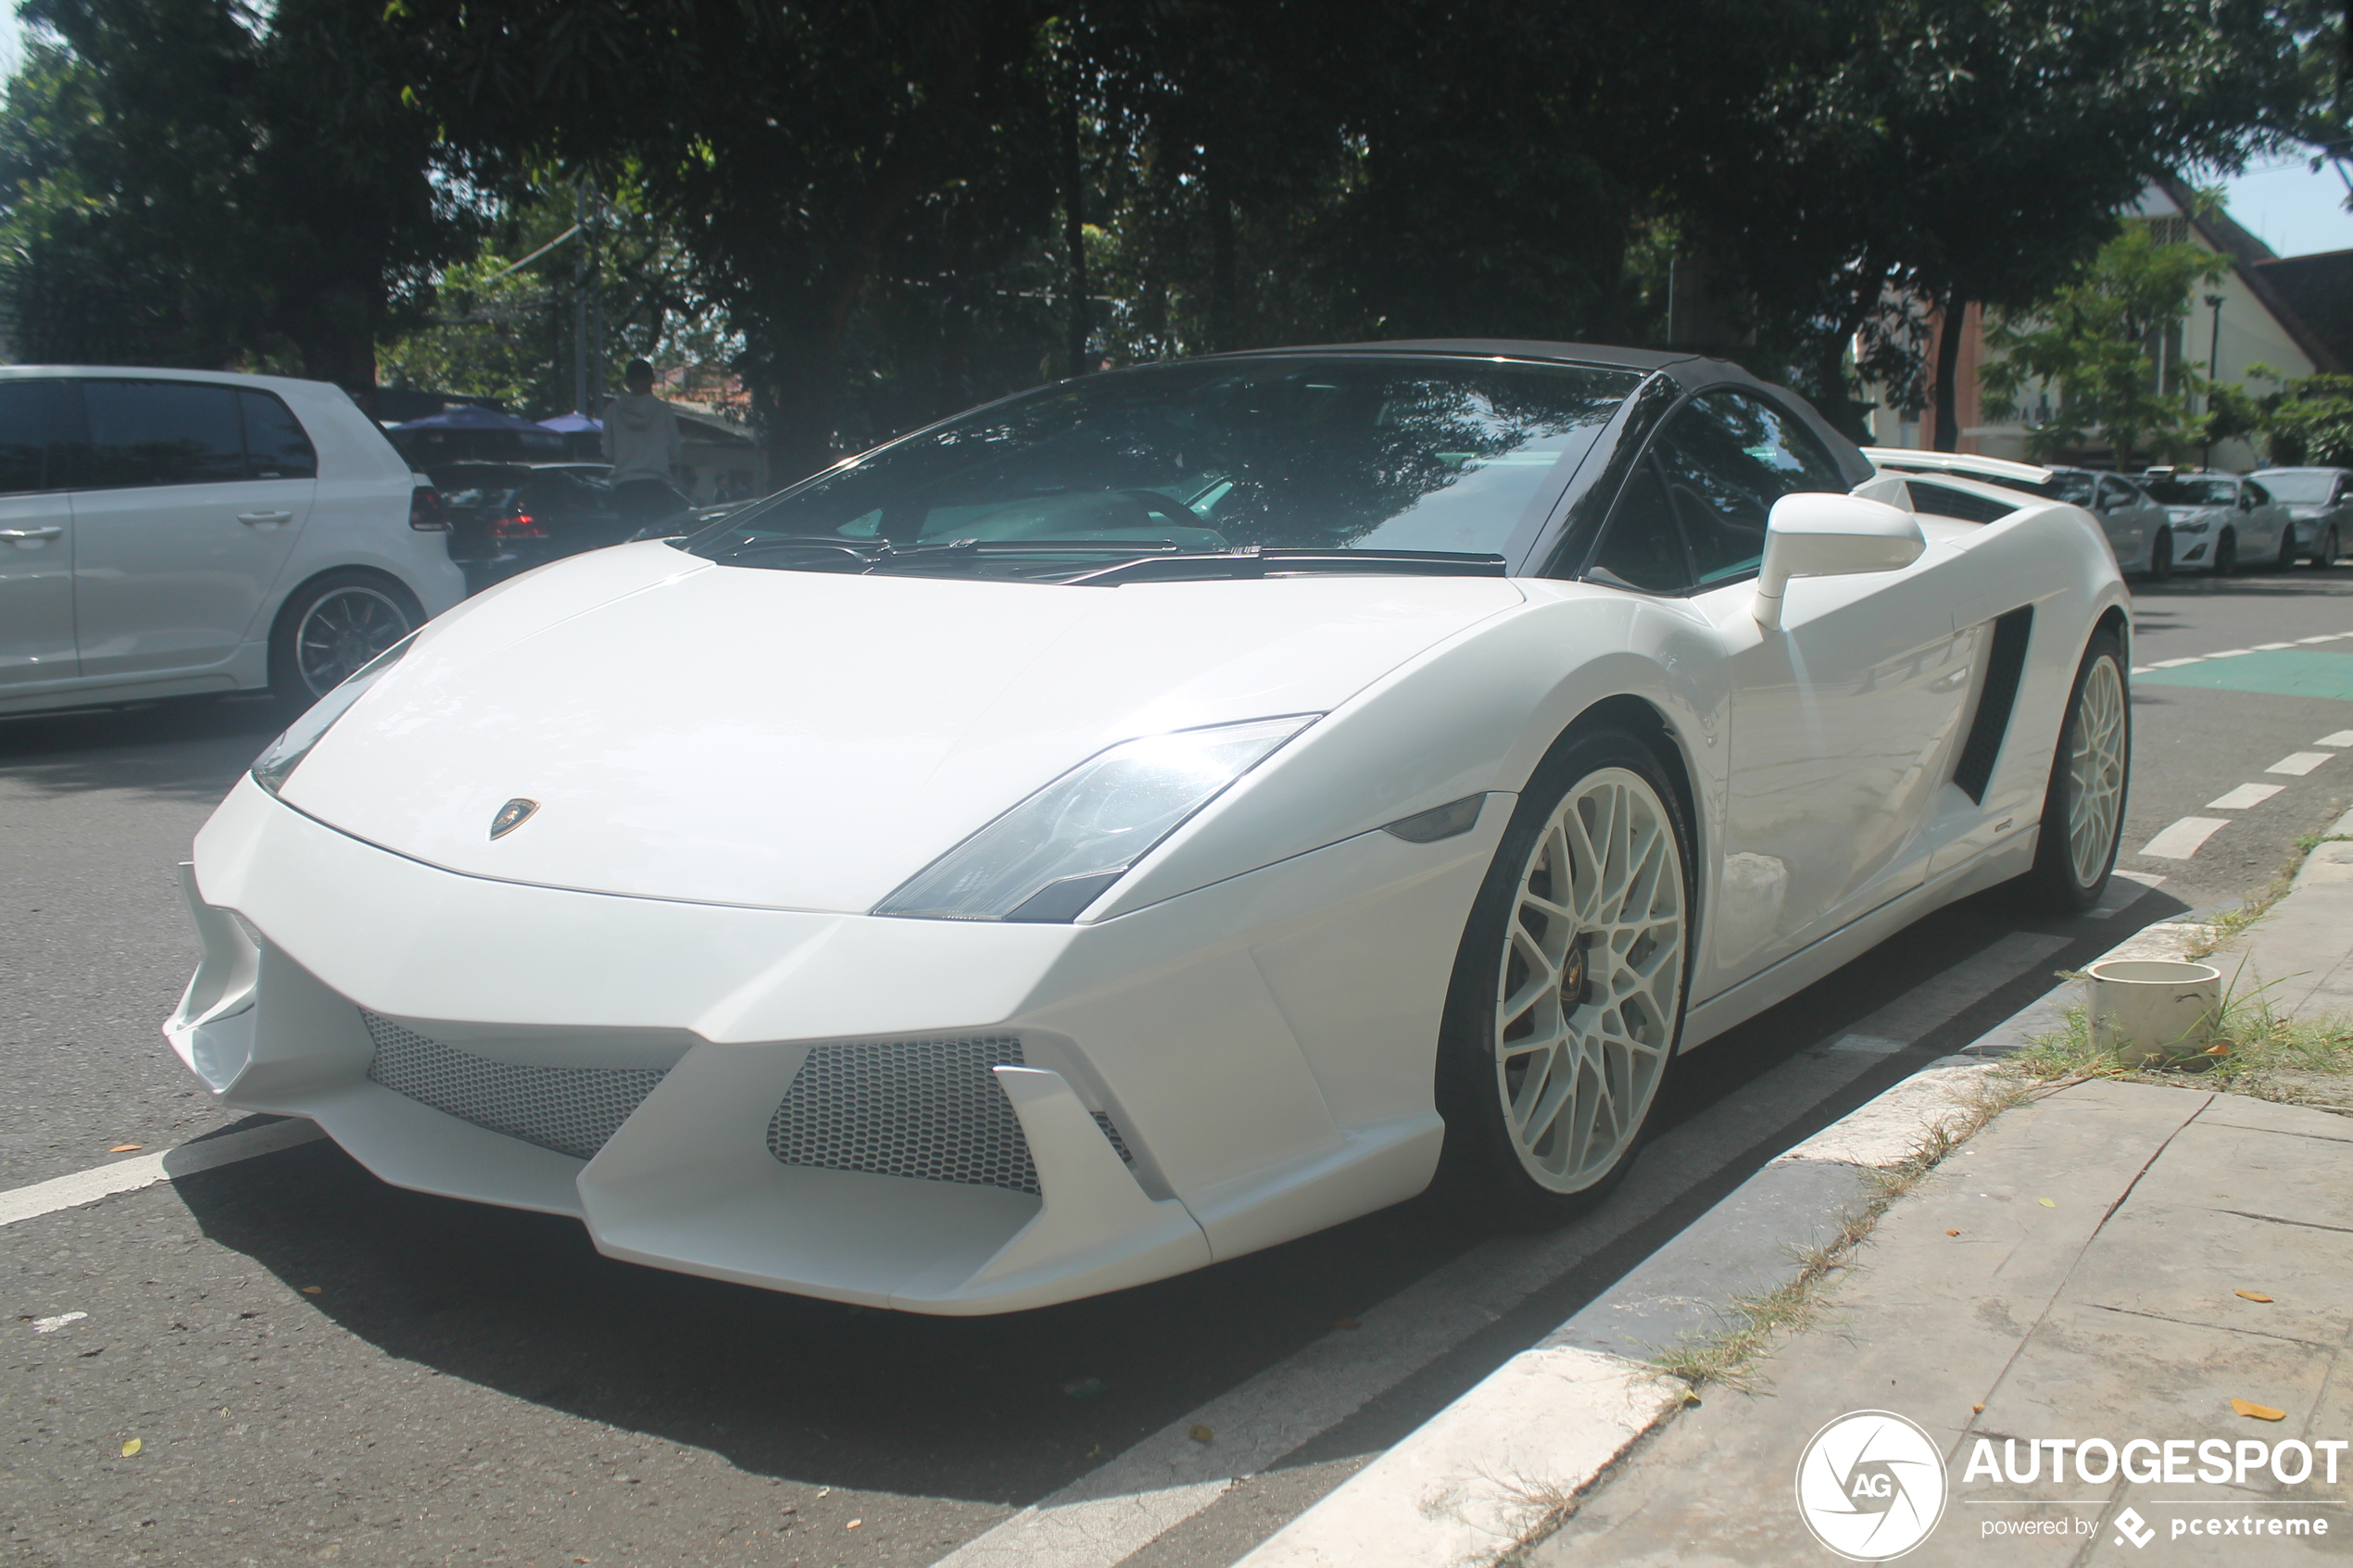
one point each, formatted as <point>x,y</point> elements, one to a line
<point>1819,535</point>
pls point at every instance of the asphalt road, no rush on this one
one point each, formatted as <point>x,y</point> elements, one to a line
<point>321,1368</point>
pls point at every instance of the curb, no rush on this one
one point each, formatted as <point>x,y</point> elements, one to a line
<point>1470,1484</point>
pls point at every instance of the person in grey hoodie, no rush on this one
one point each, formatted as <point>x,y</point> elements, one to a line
<point>641,442</point>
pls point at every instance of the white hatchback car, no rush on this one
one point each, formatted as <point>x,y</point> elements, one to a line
<point>170,532</point>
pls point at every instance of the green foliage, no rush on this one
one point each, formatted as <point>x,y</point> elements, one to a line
<point>2090,341</point>
<point>2306,420</point>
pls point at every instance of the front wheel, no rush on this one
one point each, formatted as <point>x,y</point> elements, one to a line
<point>1568,989</point>
<point>2083,807</point>
<point>2161,555</point>
<point>2226,554</point>
<point>2287,549</point>
<point>2327,547</point>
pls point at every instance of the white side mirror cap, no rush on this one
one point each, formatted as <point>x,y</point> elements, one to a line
<point>1820,535</point>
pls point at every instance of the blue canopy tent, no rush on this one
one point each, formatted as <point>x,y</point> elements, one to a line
<point>583,438</point>
<point>466,431</point>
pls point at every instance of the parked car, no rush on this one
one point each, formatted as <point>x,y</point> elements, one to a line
<point>168,532</point>
<point>1154,817</point>
<point>2134,524</point>
<point>507,517</point>
<point>2321,502</point>
<point>2221,520</point>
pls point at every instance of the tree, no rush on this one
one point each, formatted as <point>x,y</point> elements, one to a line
<point>187,181</point>
<point>2091,340</point>
<point>2304,419</point>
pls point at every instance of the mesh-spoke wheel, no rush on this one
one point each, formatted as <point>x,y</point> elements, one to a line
<point>2084,804</point>
<point>2095,770</point>
<point>1592,974</point>
<point>1567,995</point>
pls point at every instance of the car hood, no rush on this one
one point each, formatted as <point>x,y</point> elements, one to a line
<point>807,740</point>
<point>2194,514</point>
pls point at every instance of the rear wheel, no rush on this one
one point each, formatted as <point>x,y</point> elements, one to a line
<point>1568,989</point>
<point>330,627</point>
<point>2084,808</point>
<point>2161,555</point>
<point>2327,547</point>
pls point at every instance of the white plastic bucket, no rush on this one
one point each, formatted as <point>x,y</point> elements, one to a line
<point>2153,1010</point>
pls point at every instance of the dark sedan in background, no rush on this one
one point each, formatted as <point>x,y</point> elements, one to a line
<point>507,517</point>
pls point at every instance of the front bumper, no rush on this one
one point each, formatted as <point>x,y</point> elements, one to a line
<point>935,1116</point>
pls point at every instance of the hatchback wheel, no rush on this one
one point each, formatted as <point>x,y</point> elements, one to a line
<point>332,625</point>
<point>1568,989</point>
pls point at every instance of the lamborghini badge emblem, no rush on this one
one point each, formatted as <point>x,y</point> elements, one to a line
<point>512,815</point>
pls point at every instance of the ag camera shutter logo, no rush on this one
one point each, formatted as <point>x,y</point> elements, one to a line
<point>1870,1486</point>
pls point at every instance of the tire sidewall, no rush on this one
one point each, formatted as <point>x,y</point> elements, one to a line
<point>2161,556</point>
<point>2054,855</point>
<point>1481,1152</point>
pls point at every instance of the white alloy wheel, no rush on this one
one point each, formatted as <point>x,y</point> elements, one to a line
<point>2096,769</point>
<point>1590,980</point>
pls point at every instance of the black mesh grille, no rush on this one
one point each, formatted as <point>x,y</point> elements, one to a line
<point>570,1110</point>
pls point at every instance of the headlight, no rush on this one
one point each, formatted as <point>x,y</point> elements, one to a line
<point>1055,853</point>
<point>284,755</point>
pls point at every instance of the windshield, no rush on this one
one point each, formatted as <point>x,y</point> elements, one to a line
<point>2191,490</point>
<point>2303,487</point>
<point>1355,453</point>
<point>2075,488</point>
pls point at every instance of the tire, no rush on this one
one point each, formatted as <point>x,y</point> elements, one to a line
<point>2327,547</point>
<point>2083,806</point>
<point>1526,1147</point>
<point>2161,556</point>
<point>2287,549</point>
<point>330,627</point>
<point>2226,554</point>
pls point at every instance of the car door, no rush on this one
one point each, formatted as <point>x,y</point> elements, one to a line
<point>2123,519</point>
<point>188,496</point>
<point>36,543</point>
<point>2266,519</point>
<point>1843,721</point>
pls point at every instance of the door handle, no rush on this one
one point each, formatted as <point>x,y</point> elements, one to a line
<point>259,519</point>
<point>49,532</point>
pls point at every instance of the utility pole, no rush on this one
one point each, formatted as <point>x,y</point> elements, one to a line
<point>580,303</point>
<point>2213,374</point>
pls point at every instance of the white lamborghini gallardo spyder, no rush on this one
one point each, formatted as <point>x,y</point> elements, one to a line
<point>1154,817</point>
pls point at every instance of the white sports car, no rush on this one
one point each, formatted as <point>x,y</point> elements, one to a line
<point>1154,817</point>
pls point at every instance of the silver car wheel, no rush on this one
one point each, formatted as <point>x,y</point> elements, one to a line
<point>343,631</point>
<point>2096,769</point>
<point>1592,975</point>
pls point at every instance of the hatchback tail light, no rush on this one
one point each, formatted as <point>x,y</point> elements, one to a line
<point>518,525</point>
<point>425,512</point>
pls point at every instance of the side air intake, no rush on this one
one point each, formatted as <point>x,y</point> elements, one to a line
<point>570,1110</point>
<point>2005,662</point>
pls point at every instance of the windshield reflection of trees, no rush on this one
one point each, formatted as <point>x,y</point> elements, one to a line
<point>1283,455</point>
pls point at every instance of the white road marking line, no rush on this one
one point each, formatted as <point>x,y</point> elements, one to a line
<point>130,1175</point>
<point>2142,669</point>
<point>2175,664</point>
<point>1115,1510</point>
<point>2324,638</point>
<point>2342,737</point>
<point>2299,762</point>
<point>2230,653</point>
<point>2246,795</point>
<point>2271,647</point>
<point>2181,840</point>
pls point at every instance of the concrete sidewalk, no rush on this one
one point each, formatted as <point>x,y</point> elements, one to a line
<point>2109,1264</point>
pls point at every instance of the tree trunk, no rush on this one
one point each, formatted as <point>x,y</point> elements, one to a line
<point>1948,372</point>
<point>1074,230</point>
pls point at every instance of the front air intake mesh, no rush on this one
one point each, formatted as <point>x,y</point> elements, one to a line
<point>930,1110</point>
<point>570,1110</point>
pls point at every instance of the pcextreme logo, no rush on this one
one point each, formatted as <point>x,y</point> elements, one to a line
<point>1870,1486</point>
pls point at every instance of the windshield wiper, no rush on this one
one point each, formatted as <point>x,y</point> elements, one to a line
<point>1254,560</point>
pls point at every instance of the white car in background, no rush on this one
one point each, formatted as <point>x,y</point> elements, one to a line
<point>174,533</point>
<point>2221,520</point>
<point>1154,817</point>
